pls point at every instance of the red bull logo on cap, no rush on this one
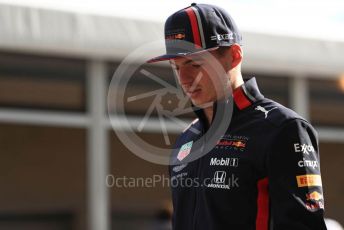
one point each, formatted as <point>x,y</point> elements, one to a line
<point>179,36</point>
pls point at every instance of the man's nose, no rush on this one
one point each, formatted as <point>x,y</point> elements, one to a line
<point>186,75</point>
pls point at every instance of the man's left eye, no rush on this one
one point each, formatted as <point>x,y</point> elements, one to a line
<point>196,65</point>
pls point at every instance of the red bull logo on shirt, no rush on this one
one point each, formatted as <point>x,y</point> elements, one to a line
<point>314,196</point>
<point>237,144</point>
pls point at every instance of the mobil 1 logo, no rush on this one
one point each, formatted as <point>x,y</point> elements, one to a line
<point>214,161</point>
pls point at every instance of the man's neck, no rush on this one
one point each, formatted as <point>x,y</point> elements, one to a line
<point>209,114</point>
<point>236,82</point>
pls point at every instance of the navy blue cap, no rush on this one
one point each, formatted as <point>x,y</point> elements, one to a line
<point>197,28</point>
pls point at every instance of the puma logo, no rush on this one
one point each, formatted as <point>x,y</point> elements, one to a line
<point>262,109</point>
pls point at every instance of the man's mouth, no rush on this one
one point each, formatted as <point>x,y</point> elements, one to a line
<point>192,93</point>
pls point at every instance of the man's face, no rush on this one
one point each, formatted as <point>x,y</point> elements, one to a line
<point>198,78</point>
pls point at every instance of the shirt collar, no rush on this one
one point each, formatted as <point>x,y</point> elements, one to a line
<point>246,94</point>
<point>243,96</point>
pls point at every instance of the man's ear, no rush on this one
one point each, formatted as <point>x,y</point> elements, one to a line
<point>236,53</point>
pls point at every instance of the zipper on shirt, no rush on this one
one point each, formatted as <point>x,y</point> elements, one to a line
<point>197,190</point>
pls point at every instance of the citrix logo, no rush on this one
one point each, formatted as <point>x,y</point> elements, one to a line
<point>304,148</point>
<point>308,163</point>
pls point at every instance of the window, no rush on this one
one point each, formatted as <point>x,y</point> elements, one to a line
<point>128,203</point>
<point>140,83</point>
<point>326,102</point>
<point>41,82</point>
<point>273,87</point>
<point>42,177</point>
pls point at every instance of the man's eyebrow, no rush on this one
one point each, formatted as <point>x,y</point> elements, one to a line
<point>191,60</point>
<point>188,61</point>
<point>174,65</point>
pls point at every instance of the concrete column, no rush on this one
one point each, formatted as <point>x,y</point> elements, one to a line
<point>98,203</point>
<point>299,95</point>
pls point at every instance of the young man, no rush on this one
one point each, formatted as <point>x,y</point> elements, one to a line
<point>263,172</point>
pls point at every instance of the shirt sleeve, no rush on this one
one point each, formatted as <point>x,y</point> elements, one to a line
<point>295,187</point>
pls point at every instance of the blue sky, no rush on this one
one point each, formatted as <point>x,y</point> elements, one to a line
<point>303,18</point>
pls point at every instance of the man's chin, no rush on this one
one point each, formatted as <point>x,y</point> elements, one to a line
<point>202,104</point>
